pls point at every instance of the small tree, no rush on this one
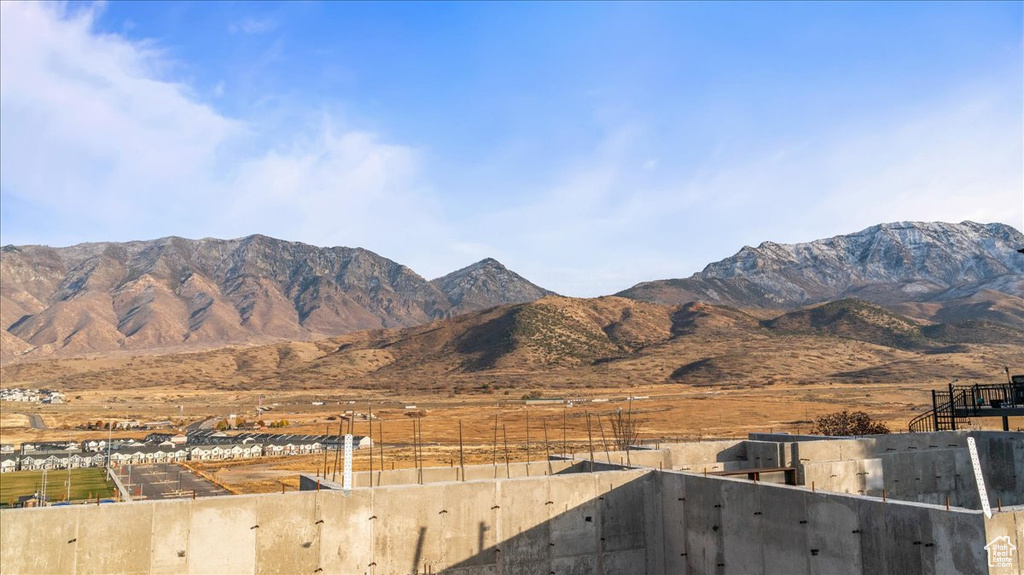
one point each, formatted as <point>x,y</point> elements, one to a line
<point>846,423</point>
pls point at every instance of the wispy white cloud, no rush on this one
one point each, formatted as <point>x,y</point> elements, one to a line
<point>252,26</point>
<point>90,126</point>
<point>92,131</point>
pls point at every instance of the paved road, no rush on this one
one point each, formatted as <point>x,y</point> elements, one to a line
<point>200,425</point>
<point>36,421</point>
<point>165,481</point>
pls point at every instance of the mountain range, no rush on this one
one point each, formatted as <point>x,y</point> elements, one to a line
<point>934,271</point>
<point>171,293</point>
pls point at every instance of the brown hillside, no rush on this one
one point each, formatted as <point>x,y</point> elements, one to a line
<point>567,343</point>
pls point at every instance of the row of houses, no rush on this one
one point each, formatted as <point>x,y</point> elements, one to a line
<point>297,443</point>
<point>127,456</point>
<point>87,445</point>
<point>31,395</point>
<point>50,460</point>
<point>165,452</point>
<point>203,445</point>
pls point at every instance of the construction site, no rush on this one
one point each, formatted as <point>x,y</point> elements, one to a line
<point>771,503</point>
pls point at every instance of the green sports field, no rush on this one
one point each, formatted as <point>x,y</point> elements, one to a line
<point>85,483</point>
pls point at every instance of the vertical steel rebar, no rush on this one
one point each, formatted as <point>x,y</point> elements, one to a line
<point>327,435</point>
<point>380,428</point>
<point>631,429</point>
<point>494,451</point>
<point>462,461</point>
<point>603,442</point>
<point>508,467</point>
<point>547,450</point>
<point>564,449</point>
<point>590,439</point>
<point>527,442</point>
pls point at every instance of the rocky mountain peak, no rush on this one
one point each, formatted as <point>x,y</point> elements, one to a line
<point>484,281</point>
<point>889,263</point>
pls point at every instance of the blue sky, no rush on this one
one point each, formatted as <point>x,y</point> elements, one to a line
<point>586,146</point>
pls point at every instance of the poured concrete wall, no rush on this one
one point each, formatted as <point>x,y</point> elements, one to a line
<point>922,467</point>
<point>1009,524</point>
<point>650,458</point>
<point>721,525</point>
<point>412,476</point>
<point>1002,458</point>
<point>631,521</point>
<point>573,523</point>
<point>469,473</point>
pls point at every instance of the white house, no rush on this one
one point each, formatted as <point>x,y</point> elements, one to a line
<point>8,463</point>
<point>94,445</point>
<point>204,452</point>
<point>32,462</point>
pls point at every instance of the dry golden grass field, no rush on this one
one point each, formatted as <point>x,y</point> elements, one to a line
<point>669,412</point>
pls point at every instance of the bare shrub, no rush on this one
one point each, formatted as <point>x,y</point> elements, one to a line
<point>625,428</point>
<point>846,423</point>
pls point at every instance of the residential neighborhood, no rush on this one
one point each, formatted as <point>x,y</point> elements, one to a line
<point>31,395</point>
<point>206,445</point>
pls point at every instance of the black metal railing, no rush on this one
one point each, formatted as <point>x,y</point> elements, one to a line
<point>923,423</point>
<point>953,408</point>
<point>995,396</point>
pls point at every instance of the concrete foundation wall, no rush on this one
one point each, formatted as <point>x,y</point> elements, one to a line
<point>922,467</point>
<point>573,523</point>
<point>472,473</point>
<point>714,455</point>
<point>1009,524</point>
<point>650,458</point>
<point>1002,458</point>
<point>721,525</point>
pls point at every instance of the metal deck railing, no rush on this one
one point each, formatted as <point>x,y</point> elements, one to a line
<point>952,409</point>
